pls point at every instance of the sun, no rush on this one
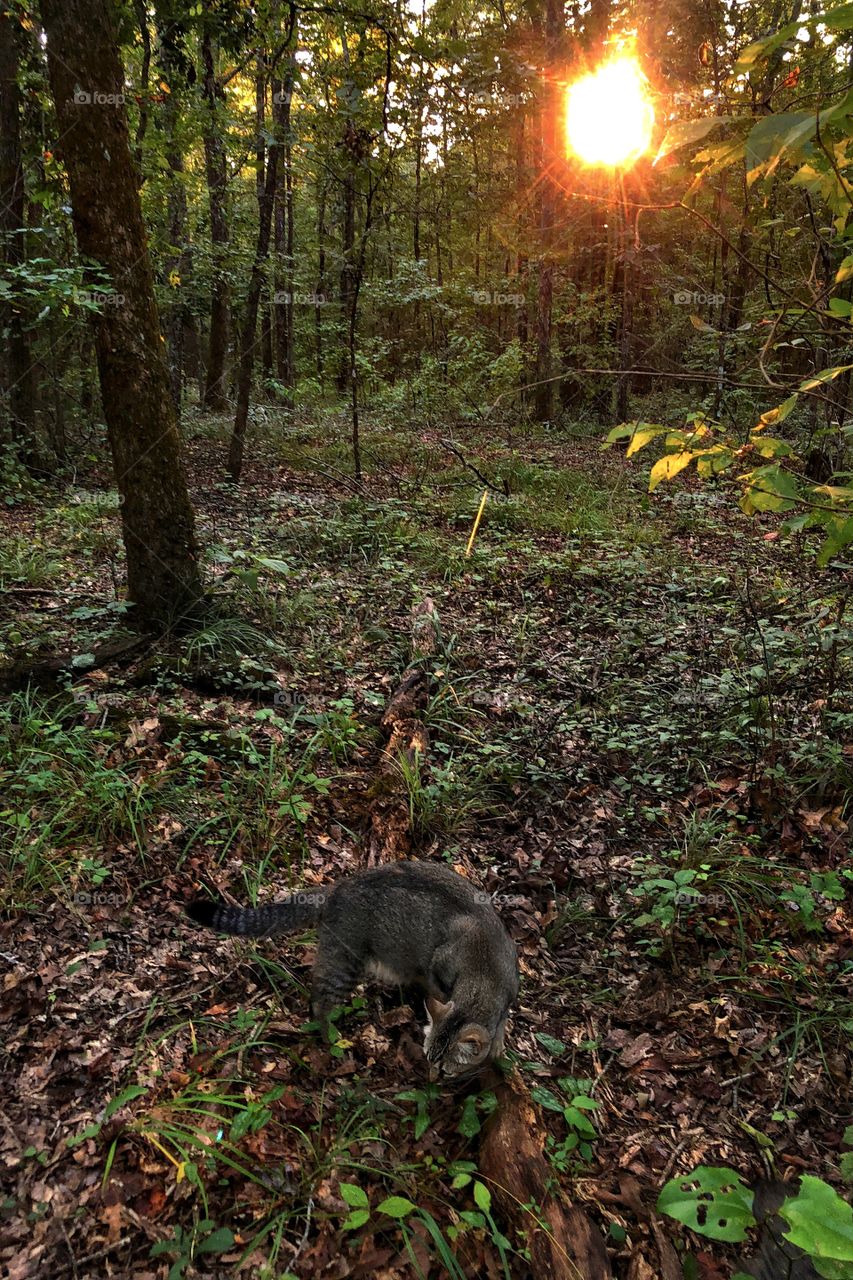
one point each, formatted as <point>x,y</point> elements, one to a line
<point>609,117</point>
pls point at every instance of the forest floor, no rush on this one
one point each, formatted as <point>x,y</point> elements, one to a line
<point>631,696</point>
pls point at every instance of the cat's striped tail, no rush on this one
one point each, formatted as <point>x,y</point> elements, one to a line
<point>299,910</point>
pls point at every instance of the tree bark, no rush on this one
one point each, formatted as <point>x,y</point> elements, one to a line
<point>544,396</point>
<point>406,746</point>
<point>284,327</point>
<point>321,276</point>
<point>178,259</point>
<point>215,395</point>
<point>563,1242</point>
<point>266,198</point>
<point>87,81</point>
<point>18,363</point>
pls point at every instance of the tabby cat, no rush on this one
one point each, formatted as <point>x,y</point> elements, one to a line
<point>411,924</point>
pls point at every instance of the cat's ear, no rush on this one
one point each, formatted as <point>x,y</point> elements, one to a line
<point>436,1011</point>
<point>474,1038</point>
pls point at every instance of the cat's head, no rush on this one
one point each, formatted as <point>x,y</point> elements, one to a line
<point>457,1045</point>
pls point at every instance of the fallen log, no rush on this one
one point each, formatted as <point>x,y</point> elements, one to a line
<point>564,1244</point>
<point>47,672</point>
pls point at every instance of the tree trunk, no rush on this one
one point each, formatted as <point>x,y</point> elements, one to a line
<point>281,109</point>
<point>544,397</point>
<point>215,396</point>
<point>266,196</point>
<point>177,262</point>
<point>321,277</point>
<point>626,318</point>
<point>347,247</point>
<point>19,372</point>
<point>87,82</point>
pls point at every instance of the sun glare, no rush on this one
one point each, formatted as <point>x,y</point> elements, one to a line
<point>609,117</point>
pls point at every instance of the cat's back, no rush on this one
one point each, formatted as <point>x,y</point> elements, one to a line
<point>421,882</point>
<point>425,897</point>
<point>421,905</point>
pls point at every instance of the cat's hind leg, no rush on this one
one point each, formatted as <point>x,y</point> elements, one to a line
<point>337,970</point>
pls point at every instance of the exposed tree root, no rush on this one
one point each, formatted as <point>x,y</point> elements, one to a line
<point>406,747</point>
<point>405,750</point>
<point>564,1244</point>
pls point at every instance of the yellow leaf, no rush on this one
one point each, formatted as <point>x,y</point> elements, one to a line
<point>667,467</point>
<point>845,271</point>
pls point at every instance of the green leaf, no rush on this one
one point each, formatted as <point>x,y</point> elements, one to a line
<point>578,1121</point>
<point>837,19</point>
<point>276,566</point>
<point>845,271</point>
<point>825,375</point>
<point>771,447</point>
<point>352,1195</point>
<point>840,307</point>
<point>667,467</point>
<point>553,1046</point>
<point>217,1242</point>
<point>689,131</point>
<point>846,1166</point>
<point>469,1126</point>
<point>773,134</point>
<point>821,1223</point>
<point>482,1197</point>
<point>356,1219</point>
<point>585,1103</point>
<point>127,1095</point>
<point>840,535</point>
<point>91,1131</point>
<point>713,1202</point>
<point>546,1099</point>
<point>779,414</point>
<point>396,1207</point>
<point>769,489</point>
